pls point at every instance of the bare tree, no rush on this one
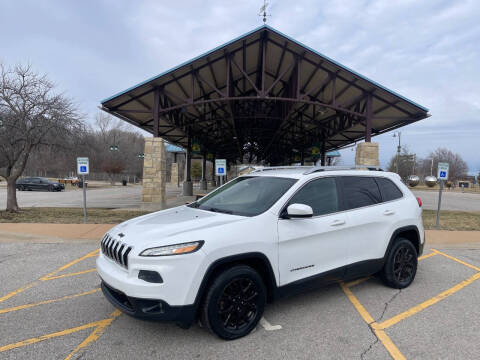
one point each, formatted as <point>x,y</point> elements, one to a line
<point>458,167</point>
<point>405,162</point>
<point>32,115</point>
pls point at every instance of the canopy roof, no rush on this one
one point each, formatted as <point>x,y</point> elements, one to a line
<point>266,95</point>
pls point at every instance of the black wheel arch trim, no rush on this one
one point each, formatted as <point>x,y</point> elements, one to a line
<point>269,278</point>
<point>401,230</point>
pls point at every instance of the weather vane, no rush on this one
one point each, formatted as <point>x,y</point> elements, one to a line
<point>263,11</point>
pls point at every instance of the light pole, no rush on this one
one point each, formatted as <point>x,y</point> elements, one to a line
<point>399,147</point>
<point>114,147</point>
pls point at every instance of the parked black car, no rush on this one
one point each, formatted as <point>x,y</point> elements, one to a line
<point>38,183</point>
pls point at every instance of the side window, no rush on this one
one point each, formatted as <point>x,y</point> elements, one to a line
<point>359,191</point>
<point>35,181</point>
<point>389,190</point>
<point>320,194</point>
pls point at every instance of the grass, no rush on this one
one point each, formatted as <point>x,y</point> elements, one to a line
<point>68,216</point>
<point>449,220</point>
<point>452,220</point>
<point>470,190</point>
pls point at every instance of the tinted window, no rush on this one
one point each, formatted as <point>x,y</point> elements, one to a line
<point>320,194</point>
<point>389,190</point>
<point>360,191</point>
<point>35,181</point>
<point>246,195</point>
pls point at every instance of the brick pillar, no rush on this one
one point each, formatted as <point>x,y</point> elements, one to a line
<point>174,174</point>
<point>154,174</point>
<point>367,154</point>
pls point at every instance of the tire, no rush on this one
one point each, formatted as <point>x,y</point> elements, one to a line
<point>50,188</point>
<point>241,287</point>
<point>401,265</point>
<point>20,188</point>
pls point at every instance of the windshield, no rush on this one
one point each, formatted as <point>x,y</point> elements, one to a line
<point>246,195</point>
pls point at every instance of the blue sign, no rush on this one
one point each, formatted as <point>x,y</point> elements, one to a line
<point>443,174</point>
<point>83,169</point>
<point>221,170</point>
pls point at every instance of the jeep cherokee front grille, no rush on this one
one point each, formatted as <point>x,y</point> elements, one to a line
<point>115,250</point>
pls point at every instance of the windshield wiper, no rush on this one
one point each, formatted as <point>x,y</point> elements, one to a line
<point>219,210</point>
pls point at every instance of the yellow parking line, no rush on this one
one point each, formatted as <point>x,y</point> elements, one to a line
<point>414,310</point>
<point>18,291</point>
<point>95,334</point>
<point>71,274</point>
<point>361,280</point>
<point>457,260</point>
<point>90,254</point>
<point>27,306</point>
<point>46,277</point>
<point>358,281</point>
<point>427,256</point>
<point>52,335</point>
<point>380,333</point>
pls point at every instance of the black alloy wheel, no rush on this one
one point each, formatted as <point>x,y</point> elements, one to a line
<point>401,265</point>
<point>21,188</point>
<point>234,303</point>
<point>237,305</point>
<point>50,188</point>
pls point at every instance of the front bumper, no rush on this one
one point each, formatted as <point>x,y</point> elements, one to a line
<point>151,309</point>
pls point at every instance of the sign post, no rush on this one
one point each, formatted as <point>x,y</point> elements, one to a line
<point>442,174</point>
<point>220,169</point>
<point>83,168</point>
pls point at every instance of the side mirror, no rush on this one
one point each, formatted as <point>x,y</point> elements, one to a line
<point>299,211</point>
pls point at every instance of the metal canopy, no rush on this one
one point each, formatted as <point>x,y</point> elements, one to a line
<point>264,96</point>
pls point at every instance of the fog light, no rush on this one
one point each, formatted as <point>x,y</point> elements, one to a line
<point>150,276</point>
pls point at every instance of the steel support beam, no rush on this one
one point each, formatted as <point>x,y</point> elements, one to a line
<point>156,111</point>
<point>368,119</point>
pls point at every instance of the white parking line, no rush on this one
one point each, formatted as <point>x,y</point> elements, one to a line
<point>267,326</point>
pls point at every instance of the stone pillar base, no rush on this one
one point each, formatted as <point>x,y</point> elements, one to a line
<point>174,174</point>
<point>203,184</point>
<point>367,154</point>
<point>154,173</point>
<point>187,188</point>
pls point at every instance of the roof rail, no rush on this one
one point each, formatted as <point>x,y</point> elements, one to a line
<point>330,168</point>
<point>266,168</point>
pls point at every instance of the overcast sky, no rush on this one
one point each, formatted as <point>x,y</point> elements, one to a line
<point>428,51</point>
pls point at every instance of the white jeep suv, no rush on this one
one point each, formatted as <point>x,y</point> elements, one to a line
<point>261,236</point>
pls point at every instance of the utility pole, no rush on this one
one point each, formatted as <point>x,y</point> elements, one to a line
<point>399,147</point>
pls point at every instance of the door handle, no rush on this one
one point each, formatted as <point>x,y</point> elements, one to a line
<point>337,222</point>
<point>388,212</point>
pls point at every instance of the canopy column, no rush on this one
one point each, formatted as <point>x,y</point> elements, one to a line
<point>203,182</point>
<point>323,154</point>
<point>214,182</point>
<point>368,119</point>
<point>187,184</point>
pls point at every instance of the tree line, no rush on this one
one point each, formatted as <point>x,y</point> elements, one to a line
<point>42,132</point>
<point>407,163</point>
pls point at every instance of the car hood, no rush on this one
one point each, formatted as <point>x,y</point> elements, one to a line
<point>162,227</point>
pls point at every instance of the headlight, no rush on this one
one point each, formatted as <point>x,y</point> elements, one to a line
<point>177,249</point>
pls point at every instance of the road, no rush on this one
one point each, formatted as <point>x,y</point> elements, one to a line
<point>450,200</point>
<point>53,309</point>
<point>109,197</point>
<point>130,197</point>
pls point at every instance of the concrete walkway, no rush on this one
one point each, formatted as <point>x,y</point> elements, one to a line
<point>54,232</point>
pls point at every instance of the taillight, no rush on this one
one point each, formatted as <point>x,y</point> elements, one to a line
<point>419,202</point>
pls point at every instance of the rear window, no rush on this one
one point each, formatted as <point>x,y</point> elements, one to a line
<point>389,190</point>
<point>360,191</point>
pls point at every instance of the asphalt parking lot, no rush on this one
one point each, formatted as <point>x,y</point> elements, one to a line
<point>51,308</point>
<point>130,197</point>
